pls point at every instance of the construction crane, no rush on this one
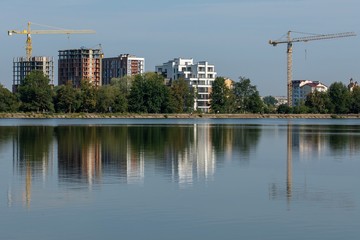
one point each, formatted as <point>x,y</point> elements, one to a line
<point>289,41</point>
<point>28,33</point>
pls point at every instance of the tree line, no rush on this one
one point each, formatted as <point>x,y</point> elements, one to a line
<point>243,97</point>
<point>148,93</point>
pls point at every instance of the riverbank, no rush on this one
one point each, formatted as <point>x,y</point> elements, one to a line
<point>194,115</point>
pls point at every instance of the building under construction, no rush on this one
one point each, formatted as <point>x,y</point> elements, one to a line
<point>80,64</point>
<point>22,66</point>
<point>121,66</point>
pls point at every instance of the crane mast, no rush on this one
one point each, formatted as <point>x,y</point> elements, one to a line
<point>28,33</point>
<point>289,41</point>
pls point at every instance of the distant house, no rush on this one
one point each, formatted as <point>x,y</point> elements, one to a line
<point>302,88</point>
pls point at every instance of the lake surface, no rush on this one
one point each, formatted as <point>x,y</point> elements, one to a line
<point>179,179</point>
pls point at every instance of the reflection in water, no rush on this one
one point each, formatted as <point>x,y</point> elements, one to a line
<point>289,163</point>
<point>79,158</point>
<point>92,155</point>
<point>309,142</point>
<point>33,155</point>
<point>88,156</point>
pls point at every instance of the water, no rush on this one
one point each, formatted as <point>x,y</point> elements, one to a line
<point>179,179</point>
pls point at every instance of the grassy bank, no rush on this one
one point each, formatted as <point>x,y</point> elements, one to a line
<point>194,115</point>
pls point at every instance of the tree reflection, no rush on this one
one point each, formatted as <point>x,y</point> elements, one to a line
<point>79,156</point>
<point>236,138</point>
<point>32,154</point>
<point>6,134</point>
<point>33,145</point>
<point>344,138</point>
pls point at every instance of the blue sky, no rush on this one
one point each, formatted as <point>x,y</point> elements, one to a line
<point>231,34</point>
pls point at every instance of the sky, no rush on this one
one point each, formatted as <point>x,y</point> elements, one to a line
<point>231,34</point>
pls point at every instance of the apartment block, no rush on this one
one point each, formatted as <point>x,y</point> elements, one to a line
<point>199,76</point>
<point>302,88</point>
<point>80,64</point>
<point>22,66</point>
<point>121,66</point>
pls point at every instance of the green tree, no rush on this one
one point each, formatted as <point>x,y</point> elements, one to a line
<point>247,98</point>
<point>35,93</point>
<point>111,99</point>
<point>318,102</point>
<point>355,100</point>
<point>87,96</point>
<point>339,97</point>
<point>270,104</point>
<point>284,109</point>
<point>148,94</point>
<point>254,103</point>
<point>183,96</point>
<point>300,108</point>
<point>67,98</point>
<point>123,83</point>
<point>8,100</point>
<point>222,98</point>
<point>270,101</point>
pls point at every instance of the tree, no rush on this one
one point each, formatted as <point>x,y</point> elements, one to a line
<point>339,97</point>
<point>247,97</point>
<point>318,102</point>
<point>148,94</point>
<point>284,109</point>
<point>67,98</point>
<point>254,104</point>
<point>222,98</point>
<point>87,96</point>
<point>123,83</point>
<point>183,96</point>
<point>111,99</point>
<point>355,100</point>
<point>35,93</point>
<point>8,100</point>
<point>270,101</point>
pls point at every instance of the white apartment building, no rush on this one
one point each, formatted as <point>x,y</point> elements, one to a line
<point>199,76</point>
<point>302,88</point>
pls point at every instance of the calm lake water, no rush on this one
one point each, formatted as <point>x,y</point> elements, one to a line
<point>179,179</point>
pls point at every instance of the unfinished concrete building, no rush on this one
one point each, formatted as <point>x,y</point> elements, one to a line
<point>75,65</point>
<point>22,66</point>
<point>121,66</point>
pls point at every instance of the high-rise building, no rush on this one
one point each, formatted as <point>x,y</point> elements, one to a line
<point>22,66</point>
<point>80,64</point>
<point>199,76</point>
<point>123,65</point>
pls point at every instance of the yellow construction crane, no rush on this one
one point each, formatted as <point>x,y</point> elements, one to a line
<point>289,41</point>
<point>28,33</point>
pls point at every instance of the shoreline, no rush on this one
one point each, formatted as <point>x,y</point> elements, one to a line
<point>32,115</point>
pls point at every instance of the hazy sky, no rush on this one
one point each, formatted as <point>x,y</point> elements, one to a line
<point>232,34</point>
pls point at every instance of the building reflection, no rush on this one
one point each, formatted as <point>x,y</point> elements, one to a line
<point>91,155</point>
<point>79,155</point>
<point>197,160</point>
<point>83,157</point>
